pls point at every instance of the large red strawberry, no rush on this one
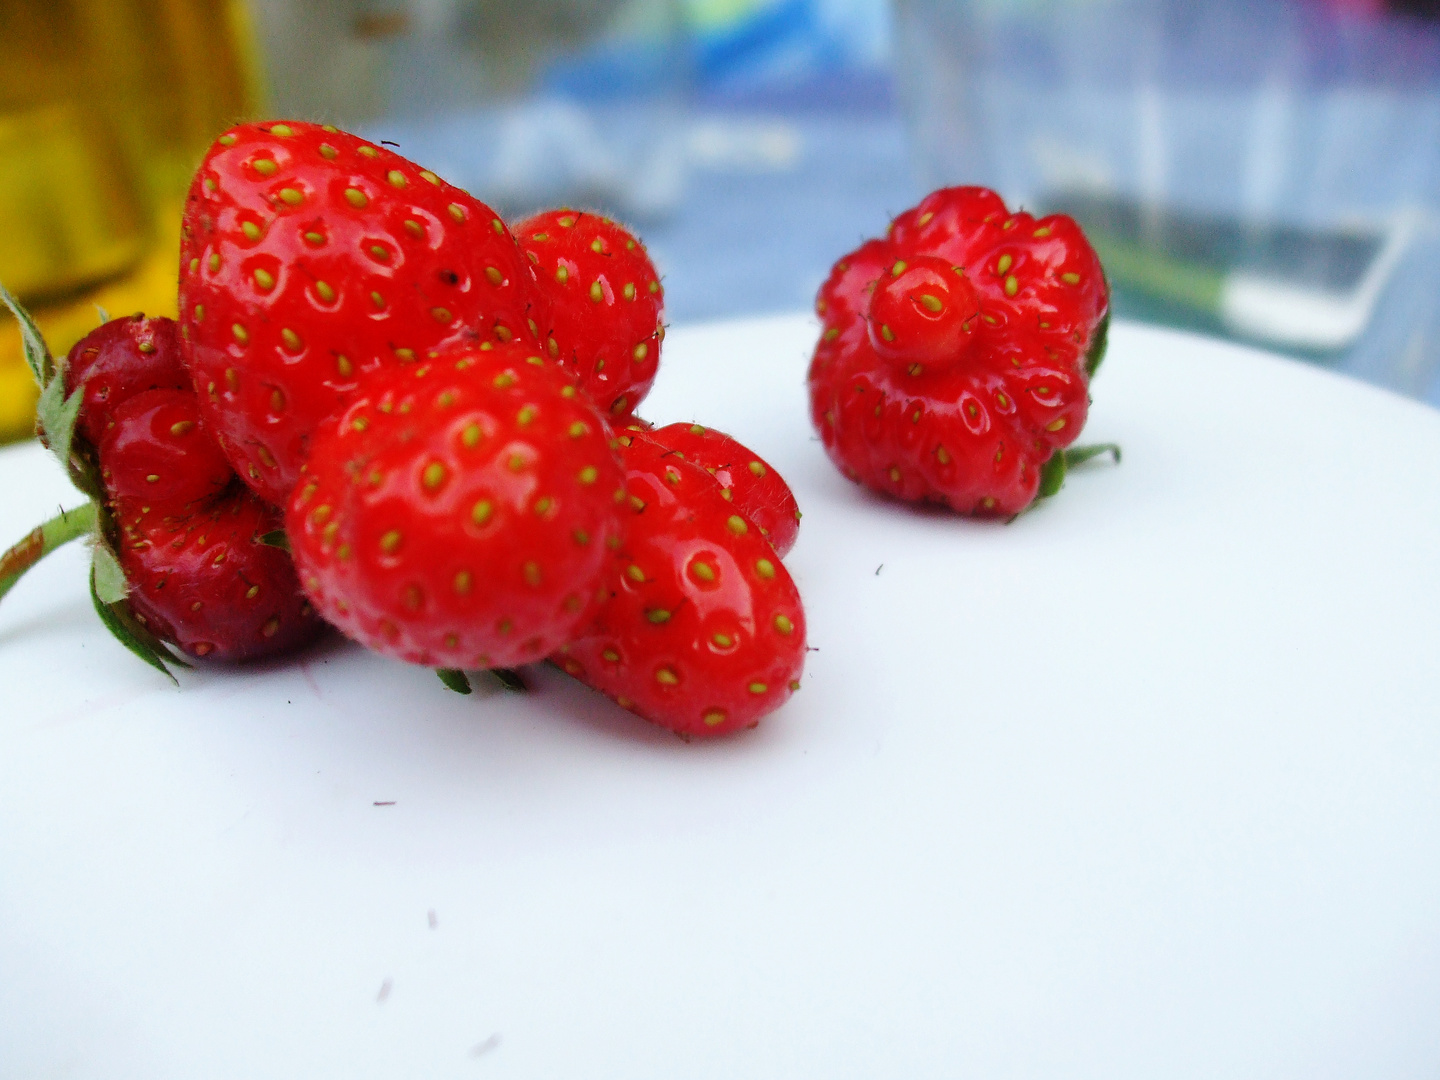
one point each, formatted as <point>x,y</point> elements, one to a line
<point>704,632</point>
<point>956,353</point>
<point>461,512</point>
<point>178,556</point>
<point>605,303</point>
<point>309,257</point>
<point>751,483</point>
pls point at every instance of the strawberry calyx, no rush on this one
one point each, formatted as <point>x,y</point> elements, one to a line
<point>457,680</point>
<point>109,588</point>
<point>922,314</point>
<point>1052,474</point>
<point>56,412</point>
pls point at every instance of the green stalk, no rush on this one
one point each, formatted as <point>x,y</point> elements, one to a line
<point>60,530</point>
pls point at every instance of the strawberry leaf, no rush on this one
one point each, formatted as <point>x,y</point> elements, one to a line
<point>37,354</point>
<point>107,578</point>
<point>454,679</point>
<point>121,622</point>
<point>276,539</point>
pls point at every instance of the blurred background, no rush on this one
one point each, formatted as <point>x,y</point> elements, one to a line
<point>1263,170</point>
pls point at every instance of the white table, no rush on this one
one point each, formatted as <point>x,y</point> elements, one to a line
<point>1146,784</point>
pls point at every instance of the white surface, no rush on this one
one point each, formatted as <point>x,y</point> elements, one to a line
<point>1146,784</point>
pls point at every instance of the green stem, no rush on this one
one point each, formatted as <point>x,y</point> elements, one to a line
<point>1078,455</point>
<point>61,529</point>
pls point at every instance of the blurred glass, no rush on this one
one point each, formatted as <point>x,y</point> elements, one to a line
<point>525,104</point>
<point>1265,169</point>
<point>105,107</point>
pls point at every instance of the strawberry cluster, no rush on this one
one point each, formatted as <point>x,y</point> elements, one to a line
<point>384,406</point>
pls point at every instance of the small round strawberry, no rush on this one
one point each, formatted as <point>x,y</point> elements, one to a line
<point>460,513</point>
<point>309,257</point>
<point>752,484</point>
<point>605,303</point>
<point>206,583</point>
<point>704,632</point>
<point>956,353</point>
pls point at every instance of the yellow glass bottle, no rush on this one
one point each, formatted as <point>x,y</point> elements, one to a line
<point>105,107</point>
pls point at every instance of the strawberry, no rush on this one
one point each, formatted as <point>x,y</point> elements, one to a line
<point>310,257</point>
<point>703,632</point>
<point>605,303</point>
<point>119,359</point>
<point>461,512</point>
<point>206,582</point>
<point>154,448</point>
<point>747,480</point>
<point>956,354</point>
<point>178,557</point>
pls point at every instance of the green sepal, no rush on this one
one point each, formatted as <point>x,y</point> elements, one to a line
<point>276,539</point>
<point>104,315</point>
<point>107,578</point>
<point>510,680</point>
<point>1052,475</point>
<point>454,679</point>
<point>121,622</point>
<point>37,353</point>
<point>1078,455</point>
<point>1053,472</point>
<point>1098,345</point>
<point>57,414</point>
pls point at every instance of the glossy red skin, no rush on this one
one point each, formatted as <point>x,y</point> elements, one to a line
<point>652,648</point>
<point>119,359</point>
<point>923,312</point>
<point>445,590</point>
<point>746,479</point>
<point>155,449</point>
<point>205,583</point>
<point>970,433</point>
<point>452,275</point>
<point>609,336</point>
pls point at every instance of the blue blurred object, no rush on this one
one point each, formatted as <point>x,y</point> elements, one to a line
<point>1267,169</point>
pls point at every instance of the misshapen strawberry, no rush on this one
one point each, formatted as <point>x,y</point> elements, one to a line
<point>460,513</point>
<point>605,303</point>
<point>956,353</point>
<point>310,257</point>
<point>176,538</point>
<point>704,632</point>
<point>749,482</point>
